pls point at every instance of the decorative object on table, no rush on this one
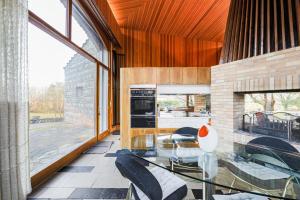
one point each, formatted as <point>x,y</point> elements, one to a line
<point>156,183</point>
<point>207,138</point>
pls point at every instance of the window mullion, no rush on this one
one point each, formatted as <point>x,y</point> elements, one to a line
<point>69,19</point>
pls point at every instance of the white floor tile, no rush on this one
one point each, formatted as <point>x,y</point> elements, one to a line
<point>52,193</point>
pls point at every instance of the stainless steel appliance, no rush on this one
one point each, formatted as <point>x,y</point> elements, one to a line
<point>143,107</point>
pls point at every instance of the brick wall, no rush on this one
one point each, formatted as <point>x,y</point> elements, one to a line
<point>276,71</point>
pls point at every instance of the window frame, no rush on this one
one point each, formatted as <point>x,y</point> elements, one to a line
<point>66,39</point>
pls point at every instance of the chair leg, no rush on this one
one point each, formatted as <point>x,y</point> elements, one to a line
<point>129,193</point>
<point>232,184</point>
<point>286,186</point>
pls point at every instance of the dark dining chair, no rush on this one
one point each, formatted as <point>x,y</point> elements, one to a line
<point>187,131</point>
<point>147,183</point>
<point>268,164</point>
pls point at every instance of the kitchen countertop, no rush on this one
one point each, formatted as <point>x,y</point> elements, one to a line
<point>178,122</point>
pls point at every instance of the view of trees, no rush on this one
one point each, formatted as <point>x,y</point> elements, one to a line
<point>48,100</point>
<point>273,102</point>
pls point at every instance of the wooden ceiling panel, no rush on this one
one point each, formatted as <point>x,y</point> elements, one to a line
<point>194,19</point>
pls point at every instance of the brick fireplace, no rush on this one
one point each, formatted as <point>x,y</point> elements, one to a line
<point>278,71</point>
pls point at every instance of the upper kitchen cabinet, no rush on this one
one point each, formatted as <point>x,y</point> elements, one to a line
<point>163,75</point>
<point>203,75</point>
<point>143,75</point>
<point>189,75</point>
<point>176,75</point>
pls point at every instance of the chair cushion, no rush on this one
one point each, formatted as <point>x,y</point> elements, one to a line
<point>139,175</point>
<point>172,187</point>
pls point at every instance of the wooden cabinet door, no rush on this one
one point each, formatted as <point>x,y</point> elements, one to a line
<point>148,74</point>
<point>176,75</point>
<point>143,75</point>
<point>203,75</point>
<point>163,75</point>
<point>189,75</point>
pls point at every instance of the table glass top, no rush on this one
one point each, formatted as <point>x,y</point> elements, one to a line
<point>252,168</point>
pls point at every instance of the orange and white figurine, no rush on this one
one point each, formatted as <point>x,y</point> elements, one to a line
<point>207,138</point>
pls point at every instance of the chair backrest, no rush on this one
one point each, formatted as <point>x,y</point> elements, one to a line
<point>187,131</point>
<point>262,118</point>
<point>275,148</point>
<point>139,176</point>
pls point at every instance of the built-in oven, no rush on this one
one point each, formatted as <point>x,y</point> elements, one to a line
<point>143,107</point>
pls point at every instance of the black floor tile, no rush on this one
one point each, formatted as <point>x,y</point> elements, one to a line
<point>110,155</point>
<point>198,193</point>
<point>99,193</point>
<point>104,144</point>
<point>77,169</point>
<point>97,150</point>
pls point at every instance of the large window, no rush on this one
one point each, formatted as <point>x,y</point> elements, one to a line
<point>62,99</point>
<point>63,82</point>
<point>85,37</point>
<point>51,11</point>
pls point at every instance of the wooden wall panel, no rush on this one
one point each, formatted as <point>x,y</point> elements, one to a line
<point>256,27</point>
<point>145,49</point>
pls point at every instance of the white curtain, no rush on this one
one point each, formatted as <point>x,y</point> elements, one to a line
<point>14,159</point>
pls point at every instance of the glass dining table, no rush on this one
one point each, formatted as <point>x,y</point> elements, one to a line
<point>253,170</point>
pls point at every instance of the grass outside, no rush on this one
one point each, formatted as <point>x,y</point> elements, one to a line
<point>45,115</point>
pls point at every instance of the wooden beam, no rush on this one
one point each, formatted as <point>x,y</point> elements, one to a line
<point>275,25</point>
<point>251,28</point>
<point>69,19</point>
<point>262,26</point>
<point>268,27</point>
<point>298,19</point>
<point>282,25</point>
<point>256,29</point>
<point>241,32</point>
<point>290,12</point>
<point>237,31</point>
<point>228,32</point>
<point>247,28</point>
<point>234,33</point>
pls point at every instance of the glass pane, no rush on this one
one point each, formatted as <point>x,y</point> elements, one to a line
<point>51,11</point>
<point>183,105</point>
<point>84,36</point>
<point>62,99</point>
<point>103,99</point>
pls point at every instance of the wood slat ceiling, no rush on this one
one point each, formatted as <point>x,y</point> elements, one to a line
<point>195,19</point>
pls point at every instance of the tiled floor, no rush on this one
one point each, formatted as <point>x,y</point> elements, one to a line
<point>93,177</point>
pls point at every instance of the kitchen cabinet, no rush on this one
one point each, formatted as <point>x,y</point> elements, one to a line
<point>203,75</point>
<point>163,75</point>
<point>145,75</point>
<point>189,75</point>
<point>176,75</point>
